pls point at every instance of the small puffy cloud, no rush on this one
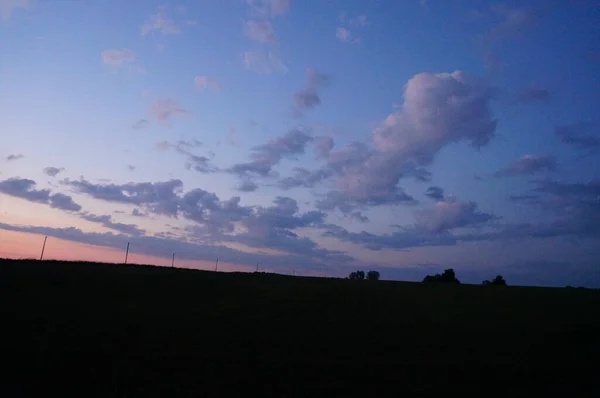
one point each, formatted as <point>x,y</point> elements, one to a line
<point>118,57</point>
<point>528,165</point>
<point>8,7</point>
<point>203,82</point>
<point>163,109</point>
<point>309,97</point>
<point>263,62</point>
<point>343,34</point>
<point>13,157</point>
<point>53,171</point>
<point>246,185</point>
<point>260,31</point>
<point>162,23</point>
<point>131,167</point>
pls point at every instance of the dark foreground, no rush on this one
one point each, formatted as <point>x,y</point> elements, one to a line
<point>131,331</point>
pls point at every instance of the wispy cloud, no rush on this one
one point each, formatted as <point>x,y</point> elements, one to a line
<point>263,62</point>
<point>260,31</point>
<point>269,8</point>
<point>140,124</point>
<point>13,157</point>
<point>528,165</point>
<point>163,109</point>
<point>164,24</point>
<point>8,7</point>
<point>203,82</point>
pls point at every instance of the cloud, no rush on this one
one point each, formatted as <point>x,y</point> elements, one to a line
<point>53,171</point>
<point>118,57</point>
<point>164,109</point>
<point>304,178</point>
<point>534,94</point>
<point>25,189</point>
<point>63,202</point>
<point>269,8</point>
<point>246,185</point>
<point>194,162</point>
<point>438,110</point>
<point>308,97</point>
<point>162,23</point>
<point>514,22</point>
<point>577,135</point>
<point>264,157</point>
<point>7,7</point>
<point>449,214</point>
<point>140,124</point>
<point>203,82</point>
<point>343,34</point>
<point>106,221</point>
<point>435,193</point>
<point>131,167</point>
<point>13,157</point>
<point>528,165</point>
<point>260,31</point>
<point>231,138</point>
<point>263,62</point>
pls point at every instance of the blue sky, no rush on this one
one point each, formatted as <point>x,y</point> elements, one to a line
<point>321,136</point>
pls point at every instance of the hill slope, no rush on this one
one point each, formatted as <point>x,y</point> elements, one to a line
<point>148,331</point>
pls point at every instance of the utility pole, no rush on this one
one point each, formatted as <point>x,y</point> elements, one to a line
<point>257,267</point>
<point>43,248</point>
<point>217,266</point>
<point>173,261</point>
<point>127,253</point>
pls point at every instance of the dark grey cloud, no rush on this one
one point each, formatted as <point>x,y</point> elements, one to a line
<point>528,165</point>
<point>217,220</point>
<point>534,94</point>
<point>25,189</point>
<point>264,157</point>
<point>247,185</point>
<point>309,97</point>
<point>63,202</point>
<point>579,136</point>
<point>304,178</point>
<point>13,157</point>
<point>140,124</point>
<point>106,221</point>
<point>158,197</point>
<point>435,193</point>
<point>53,171</point>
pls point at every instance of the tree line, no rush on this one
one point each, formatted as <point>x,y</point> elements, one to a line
<point>448,276</point>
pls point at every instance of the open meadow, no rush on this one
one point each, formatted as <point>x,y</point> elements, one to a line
<point>129,330</point>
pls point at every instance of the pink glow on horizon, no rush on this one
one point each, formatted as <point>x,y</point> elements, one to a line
<point>21,245</point>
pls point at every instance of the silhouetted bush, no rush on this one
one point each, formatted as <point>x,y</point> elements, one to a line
<point>497,281</point>
<point>373,276</point>
<point>358,275</point>
<point>447,277</point>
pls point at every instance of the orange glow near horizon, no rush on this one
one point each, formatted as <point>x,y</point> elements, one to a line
<point>22,245</point>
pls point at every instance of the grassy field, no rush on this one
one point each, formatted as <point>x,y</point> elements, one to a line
<point>128,331</point>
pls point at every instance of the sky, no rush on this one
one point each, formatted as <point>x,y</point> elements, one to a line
<point>311,137</point>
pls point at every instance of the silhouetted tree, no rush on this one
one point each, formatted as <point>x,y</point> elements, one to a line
<point>449,276</point>
<point>373,276</point>
<point>497,281</point>
<point>358,275</point>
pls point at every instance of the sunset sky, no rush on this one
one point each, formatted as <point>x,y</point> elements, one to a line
<point>313,137</point>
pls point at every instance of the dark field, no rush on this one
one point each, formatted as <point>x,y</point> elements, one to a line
<point>136,331</point>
